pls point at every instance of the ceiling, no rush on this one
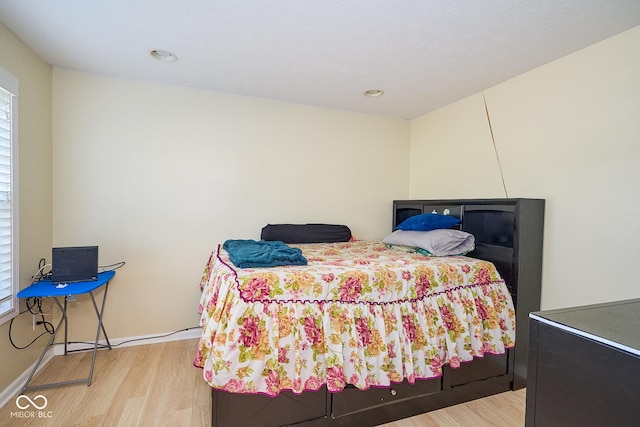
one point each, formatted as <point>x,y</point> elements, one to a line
<point>423,54</point>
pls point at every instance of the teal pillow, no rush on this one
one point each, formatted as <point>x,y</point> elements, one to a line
<point>428,221</point>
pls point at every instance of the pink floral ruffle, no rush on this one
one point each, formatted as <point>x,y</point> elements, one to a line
<point>359,313</point>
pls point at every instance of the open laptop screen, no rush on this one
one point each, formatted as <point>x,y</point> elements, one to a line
<point>74,264</point>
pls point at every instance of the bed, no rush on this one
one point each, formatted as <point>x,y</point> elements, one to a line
<point>363,334</point>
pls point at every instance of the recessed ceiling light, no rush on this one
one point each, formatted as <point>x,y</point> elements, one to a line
<point>163,55</point>
<point>373,93</point>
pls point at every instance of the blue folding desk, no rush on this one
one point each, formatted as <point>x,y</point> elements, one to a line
<point>45,289</point>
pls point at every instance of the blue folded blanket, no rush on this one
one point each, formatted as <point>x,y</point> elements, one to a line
<point>254,254</point>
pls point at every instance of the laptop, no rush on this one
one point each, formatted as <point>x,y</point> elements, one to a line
<point>74,264</point>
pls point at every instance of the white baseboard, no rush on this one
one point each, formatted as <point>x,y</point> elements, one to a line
<point>133,341</point>
<point>11,392</point>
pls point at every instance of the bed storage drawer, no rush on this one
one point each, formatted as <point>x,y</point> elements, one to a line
<point>352,400</point>
<point>491,365</point>
<point>229,409</point>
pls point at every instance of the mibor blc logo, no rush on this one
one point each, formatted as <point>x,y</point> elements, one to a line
<point>31,407</point>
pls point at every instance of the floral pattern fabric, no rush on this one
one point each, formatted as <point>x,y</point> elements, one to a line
<point>359,313</point>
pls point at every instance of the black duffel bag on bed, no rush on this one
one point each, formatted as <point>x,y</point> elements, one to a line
<point>306,233</point>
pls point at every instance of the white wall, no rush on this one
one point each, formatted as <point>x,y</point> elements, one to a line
<point>158,175</point>
<point>568,132</point>
<point>34,181</point>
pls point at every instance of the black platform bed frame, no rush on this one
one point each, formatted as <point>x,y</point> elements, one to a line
<point>509,233</point>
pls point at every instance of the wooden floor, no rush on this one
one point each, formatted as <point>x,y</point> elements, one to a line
<point>157,385</point>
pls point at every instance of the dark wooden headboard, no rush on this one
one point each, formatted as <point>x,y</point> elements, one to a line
<point>508,233</point>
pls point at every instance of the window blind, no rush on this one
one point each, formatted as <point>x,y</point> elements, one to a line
<point>8,301</point>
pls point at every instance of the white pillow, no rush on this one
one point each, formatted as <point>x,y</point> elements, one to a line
<point>441,242</point>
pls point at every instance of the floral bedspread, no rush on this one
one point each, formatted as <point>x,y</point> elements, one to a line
<point>359,313</point>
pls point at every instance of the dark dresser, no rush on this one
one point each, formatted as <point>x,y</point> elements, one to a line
<point>584,366</point>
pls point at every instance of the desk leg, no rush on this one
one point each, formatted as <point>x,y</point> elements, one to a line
<point>66,328</point>
<point>49,344</point>
<point>99,314</point>
<point>100,327</point>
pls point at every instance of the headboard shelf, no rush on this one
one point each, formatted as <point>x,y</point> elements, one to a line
<point>495,252</point>
<point>509,233</point>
